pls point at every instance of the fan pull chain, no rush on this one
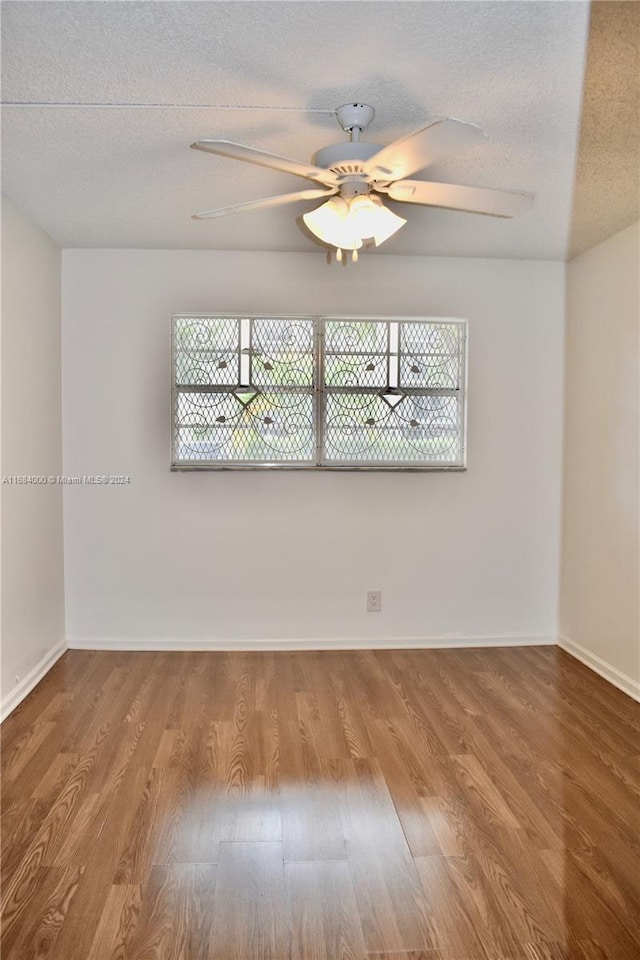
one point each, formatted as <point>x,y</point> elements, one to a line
<point>340,255</point>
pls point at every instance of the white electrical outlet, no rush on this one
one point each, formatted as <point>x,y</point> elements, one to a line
<point>374,601</point>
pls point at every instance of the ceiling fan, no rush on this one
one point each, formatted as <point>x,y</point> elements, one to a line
<point>351,176</point>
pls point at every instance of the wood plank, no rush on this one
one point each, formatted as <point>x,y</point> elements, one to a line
<point>39,929</point>
<point>113,936</point>
<point>176,915</point>
<point>391,902</point>
<point>323,913</point>
<point>249,907</point>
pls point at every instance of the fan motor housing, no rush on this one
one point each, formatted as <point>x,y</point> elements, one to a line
<point>345,158</point>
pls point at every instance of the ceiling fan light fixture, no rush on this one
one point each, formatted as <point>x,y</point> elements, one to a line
<point>347,223</point>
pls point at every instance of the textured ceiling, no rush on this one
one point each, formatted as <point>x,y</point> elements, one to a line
<point>125,177</point>
<point>607,190</point>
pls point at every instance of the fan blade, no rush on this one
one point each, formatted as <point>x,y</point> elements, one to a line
<point>237,151</point>
<point>263,204</point>
<point>403,157</point>
<point>492,203</point>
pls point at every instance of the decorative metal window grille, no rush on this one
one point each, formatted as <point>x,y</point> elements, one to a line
<point>318,392</point>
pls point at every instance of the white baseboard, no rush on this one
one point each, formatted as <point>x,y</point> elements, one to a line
<point>311,643</point>
<point>621,680</point>
<point>32,679</point>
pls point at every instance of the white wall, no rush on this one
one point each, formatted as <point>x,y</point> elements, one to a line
<point>599,606</point>
<point>235,556</point>
<point>32,542</point>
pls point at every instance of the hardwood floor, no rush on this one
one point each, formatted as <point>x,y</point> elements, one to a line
<point>406,805</point>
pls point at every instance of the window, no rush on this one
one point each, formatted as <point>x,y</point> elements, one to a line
<point>318,392</point>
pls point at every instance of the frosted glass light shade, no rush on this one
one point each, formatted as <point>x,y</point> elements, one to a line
<point>371,219</point>
<point>330,223</point>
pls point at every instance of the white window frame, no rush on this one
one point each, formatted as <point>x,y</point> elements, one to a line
<point>320,399</point>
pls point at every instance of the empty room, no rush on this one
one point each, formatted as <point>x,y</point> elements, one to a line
<point>320,487</point>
